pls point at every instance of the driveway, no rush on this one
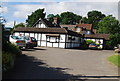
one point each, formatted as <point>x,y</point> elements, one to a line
<point>56,63</point>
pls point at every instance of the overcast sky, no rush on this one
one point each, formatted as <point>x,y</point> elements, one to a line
<point>17,10</point>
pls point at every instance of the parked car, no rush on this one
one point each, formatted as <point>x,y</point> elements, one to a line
<point>31,42</point>
<point>93,46</point>
<point>17,41</point>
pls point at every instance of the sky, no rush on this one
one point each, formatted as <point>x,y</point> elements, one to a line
<point>18,10</point>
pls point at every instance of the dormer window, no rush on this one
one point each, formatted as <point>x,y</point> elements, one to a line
<point>77,29</point>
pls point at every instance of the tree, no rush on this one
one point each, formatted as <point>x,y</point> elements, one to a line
<point>110,25</point>
<point>19,25</point>
<point>70,18</point>
<point>35,16</point>
<point>50,17</point>
<point>77,19</point>
<point>84,20</point>
<point>93,18</point>
<point>114,39</point>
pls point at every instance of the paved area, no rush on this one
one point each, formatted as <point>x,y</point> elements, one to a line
<point>56,63</point>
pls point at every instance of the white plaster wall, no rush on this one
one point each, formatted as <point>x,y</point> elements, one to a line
<point>55,44</point>
<point>49,44</point>
<point>93,40</point>
<point>26,34</point>
<point>52,39</point>
<point>31,34</point>
<point>43,26</point>
<point>39,35</point>
<point>62,38</point>
<point>101,41</point>
<point>37,25</point>
<point>38,42</point>
<point>101,46</point>
<point>36,36</point>
<point>43,43</point>
<point>43,37</point>
<point>62,45</point>
<point>16,34</point>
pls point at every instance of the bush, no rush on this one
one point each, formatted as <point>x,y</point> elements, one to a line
<point>89,41</point>
<point>7,61</point>
<point>84,45</point>
<point>13,49</point>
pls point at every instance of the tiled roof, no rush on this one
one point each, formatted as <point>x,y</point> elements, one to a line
<point>87,26</point>
<point>104,36</point>
<point>40,30</point>
<point>47,23</point>
<point>46,30</point>
<point>70,27</point>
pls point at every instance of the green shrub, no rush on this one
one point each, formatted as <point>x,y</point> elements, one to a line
<point>89,41</point>
<point>7,61</point>
<point>84,45</point>
<point>13,49</point>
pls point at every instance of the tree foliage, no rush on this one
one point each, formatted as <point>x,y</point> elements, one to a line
<point>84,20</point>
<point>19,25</point>
<point>110,25</point>
<point>50,17</point>
<point>70,18</point>
<point>93,17</point>
<point>39,13</point>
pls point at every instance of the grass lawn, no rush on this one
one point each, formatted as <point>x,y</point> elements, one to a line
<point>115,59</point>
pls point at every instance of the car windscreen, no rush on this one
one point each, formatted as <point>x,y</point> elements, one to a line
<point>25,37</point>
<point>15,37</point>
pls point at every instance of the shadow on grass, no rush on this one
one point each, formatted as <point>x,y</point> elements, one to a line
<point>27,67</point>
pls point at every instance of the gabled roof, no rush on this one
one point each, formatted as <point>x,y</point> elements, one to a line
<point>103,36</point>
<point>87,26</point>
<point>46,30</point>
<point>70,27</point>
<point>40,30</point>
<point>46,22</point>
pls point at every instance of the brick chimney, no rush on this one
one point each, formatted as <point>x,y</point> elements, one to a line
<point>55,21</point>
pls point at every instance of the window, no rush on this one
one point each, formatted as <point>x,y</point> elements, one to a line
<point>77,29</point>
<point>15,37</point>
<point>52,39</point>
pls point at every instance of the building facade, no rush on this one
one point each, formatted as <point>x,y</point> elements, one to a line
<point>51,37</point>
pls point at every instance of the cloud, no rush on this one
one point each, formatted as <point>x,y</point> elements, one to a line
<point>59,0</point>
<point>80,8</point>
<point>24,10</point>
<point>10,23</point>
<point>3,9</point>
